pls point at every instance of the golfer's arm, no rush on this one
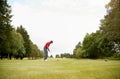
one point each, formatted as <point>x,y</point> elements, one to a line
<point>48,49</point>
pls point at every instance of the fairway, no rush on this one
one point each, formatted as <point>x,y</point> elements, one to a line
<point>60,69</point>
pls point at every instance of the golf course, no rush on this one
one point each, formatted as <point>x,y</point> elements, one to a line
<point>60,69</point>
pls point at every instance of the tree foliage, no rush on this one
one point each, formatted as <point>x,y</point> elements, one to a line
<point>26,38</point>
<point>77,51</point>
<point>36,52</point>
<point>106,41</point>
<point>17,45</point>
<point>14,43</point>
<point>5,27</point>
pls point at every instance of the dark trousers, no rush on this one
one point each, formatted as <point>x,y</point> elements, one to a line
<point>45,53</point>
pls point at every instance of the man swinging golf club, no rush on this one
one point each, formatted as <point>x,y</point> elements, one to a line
<point>46,49</point>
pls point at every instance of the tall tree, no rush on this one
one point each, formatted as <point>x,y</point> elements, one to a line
<point>110,26</point>
<point>5,26</point>
<point>27,41</point>
<point>90,46</point>
<point>16,45</point>
<point>102,43</point>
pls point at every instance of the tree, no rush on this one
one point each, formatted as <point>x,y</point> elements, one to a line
<point>77,50</point>
<point>89,45</point>
<point>110,26</point>
<point>27,41</point>
<point>17,45</point>
<point>13,43</point>
<point>102,42</point>
<point>36,53</point>
<point>66,55</point>
<point>5,27</point>
<point>57,56</point>
<point>51,56</point>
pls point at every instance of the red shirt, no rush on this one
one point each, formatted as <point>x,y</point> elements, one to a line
<point>47,44</point>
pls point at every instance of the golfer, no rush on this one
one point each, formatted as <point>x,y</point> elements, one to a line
<point>46,49</point>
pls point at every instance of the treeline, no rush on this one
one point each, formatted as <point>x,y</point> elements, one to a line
<point>64,55</point>
<point>105,42</point>
<point>15,42</point>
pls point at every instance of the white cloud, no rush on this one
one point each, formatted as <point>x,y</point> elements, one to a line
<point>64,21</point>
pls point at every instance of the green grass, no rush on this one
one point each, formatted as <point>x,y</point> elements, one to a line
<point>59,69</point>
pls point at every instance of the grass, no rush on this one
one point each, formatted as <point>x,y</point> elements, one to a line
<point>60,69</point>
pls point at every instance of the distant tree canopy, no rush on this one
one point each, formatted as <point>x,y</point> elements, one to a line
<point>106,41</point>
<point>64,55</point>
<point>14,43</point>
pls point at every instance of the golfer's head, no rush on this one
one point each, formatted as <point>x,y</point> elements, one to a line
<point>51,41</point>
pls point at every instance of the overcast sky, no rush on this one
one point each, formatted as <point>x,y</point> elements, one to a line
<point>66,22</point>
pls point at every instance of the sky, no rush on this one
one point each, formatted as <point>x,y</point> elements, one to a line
<point>66,22</point>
